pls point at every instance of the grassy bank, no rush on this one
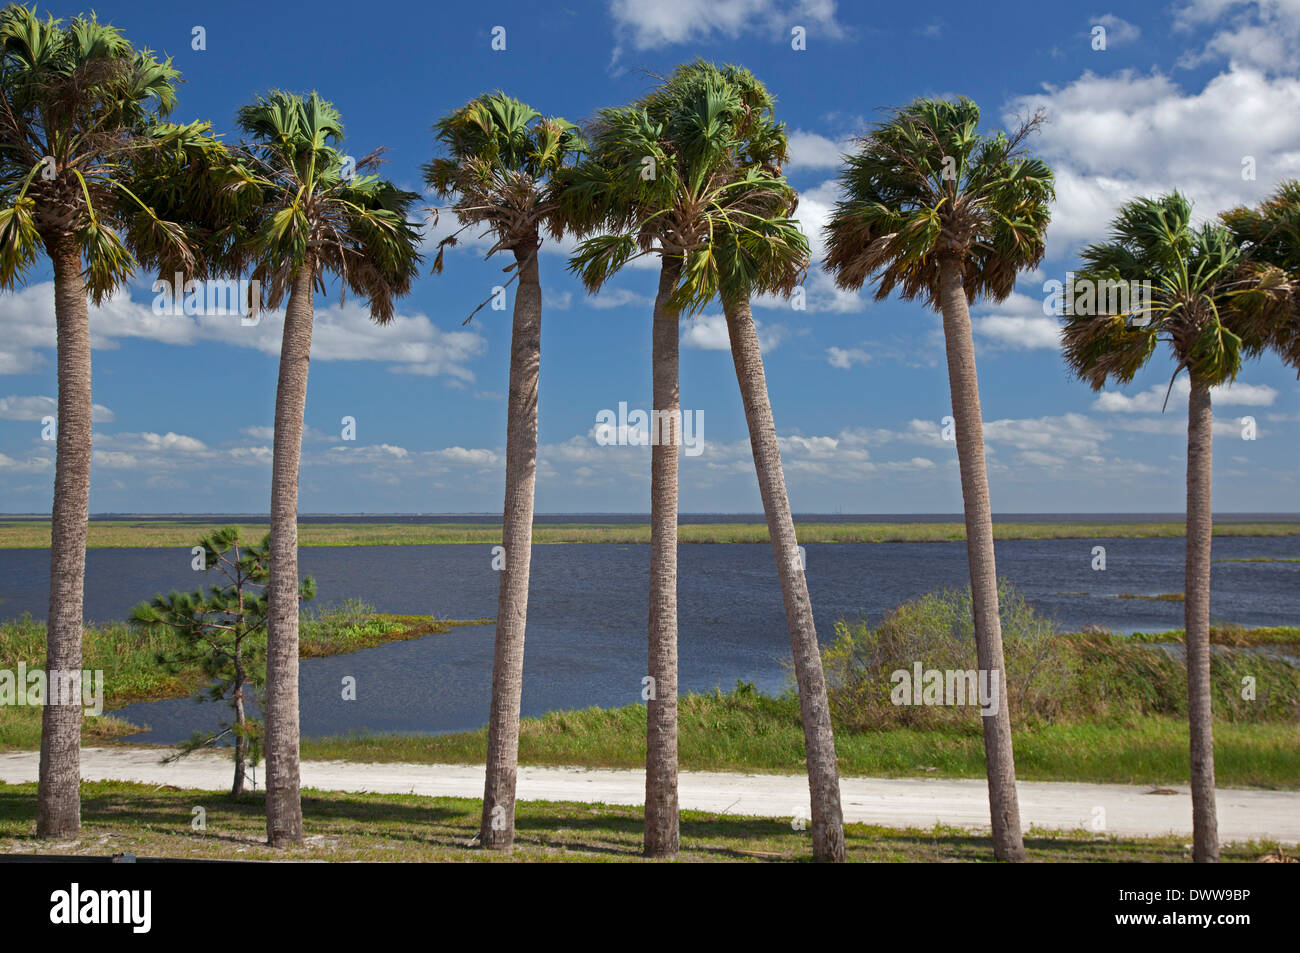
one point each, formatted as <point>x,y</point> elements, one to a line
<point>1085,707</point>
<point>118,817</point>
<point>128,658</point>
<point>20,534</point>
<point>727,732</point>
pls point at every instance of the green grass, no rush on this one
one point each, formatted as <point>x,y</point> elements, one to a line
<point>120,817</point>
<point>718,734</point>
<point>127,656</point>
<point>35,533</point>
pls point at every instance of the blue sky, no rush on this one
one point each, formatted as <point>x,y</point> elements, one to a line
<point>1180,97</point>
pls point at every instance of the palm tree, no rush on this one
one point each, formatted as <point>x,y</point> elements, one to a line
<point>668,176</point>
<point>81,140</point>
<point>317,215</point>
<point>501,155</point>
<point>763,251</point>
<point>1214,308</point>
<point>939,211</point>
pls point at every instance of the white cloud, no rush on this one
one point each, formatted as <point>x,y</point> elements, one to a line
<point>1111,138</point>
<point>35,408</point>
<point>1260,33</point>
<point>816,205</point>
<point>33,464</point>
<point>844,358</point>
<point>708,332</point>
<point>809,150</point>
<point>663,23</point>
<point>1151,400</point>
<point>1073,435</point>
<point>410,343</point>
<point>476,457</point>
<point>1018,323</point>
<point>1176,425</point>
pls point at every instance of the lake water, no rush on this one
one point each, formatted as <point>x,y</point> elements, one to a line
<point>586,642</point>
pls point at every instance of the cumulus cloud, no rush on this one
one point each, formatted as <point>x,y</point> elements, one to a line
<point>1151,400</point>
<point>1111,138</point>
<point>1261,33</point>
<point>810,150</point>
<point>1018,323</point>
<point>1072,435</point>
<point>410,343</point>
<point>845,357</point>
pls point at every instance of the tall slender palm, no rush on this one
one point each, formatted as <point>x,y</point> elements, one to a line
<point>81,139</point>
<point>937,210</point>
<point>501,156</point>
<point>318,215</point>
<point>1213,307</point>
<point>763,251</point>
<point>667,176</point>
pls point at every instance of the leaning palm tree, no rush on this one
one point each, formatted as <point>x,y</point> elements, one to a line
<point>668,176</point>
<point>81,141</point>
<point>1214,308</point>
<point>501,156</point>
<point>318,215</point>
<point>763,251</point>
<point>937,210</point>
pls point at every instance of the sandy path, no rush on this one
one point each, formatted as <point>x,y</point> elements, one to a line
<point>894,802</point>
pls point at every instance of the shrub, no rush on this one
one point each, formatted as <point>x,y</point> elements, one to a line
<point>1049,677</point>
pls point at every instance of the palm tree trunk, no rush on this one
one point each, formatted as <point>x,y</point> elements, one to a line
<point>58,798</point>
<point>497,827</point>
<point>283,803</point>
<point>662,834</point>
<point>1196,621</point>
<point>814,709</point>
<point>1004,807</point>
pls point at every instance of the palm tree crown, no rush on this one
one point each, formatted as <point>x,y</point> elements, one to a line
<point>926,185</point>
<point>316,203</point>
<point>501,156</point>
<point>1208,300</point>
<point>691,170</point>
<point>84,147</point>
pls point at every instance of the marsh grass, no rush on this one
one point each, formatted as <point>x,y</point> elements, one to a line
<point>128,657</point>
<point>20,534</point>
